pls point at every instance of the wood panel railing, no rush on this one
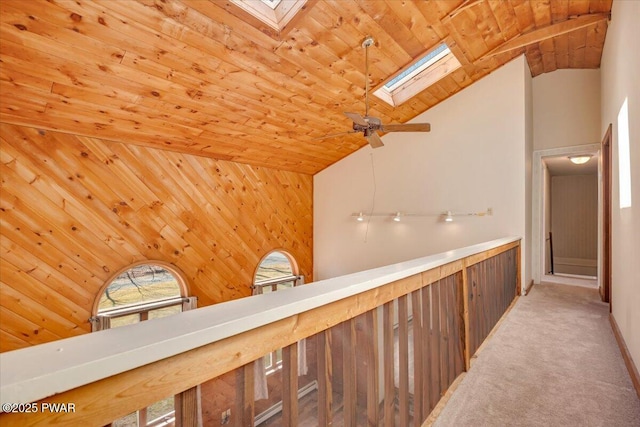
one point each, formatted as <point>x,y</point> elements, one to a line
<point>384,346</point>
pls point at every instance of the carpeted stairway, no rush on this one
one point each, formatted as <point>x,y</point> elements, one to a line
<point>552,362</point>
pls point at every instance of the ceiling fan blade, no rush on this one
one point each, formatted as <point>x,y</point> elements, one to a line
<point>357,119</point>
<point>334,135</point>
<point>374,140</point>
<point>407,127</point>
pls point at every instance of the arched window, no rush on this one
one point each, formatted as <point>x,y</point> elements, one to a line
<point>141,292</point>
<point>277,270</point>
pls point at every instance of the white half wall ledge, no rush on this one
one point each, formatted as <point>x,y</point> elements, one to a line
<point>37,372</point>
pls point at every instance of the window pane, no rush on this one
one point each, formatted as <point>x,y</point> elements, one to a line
<point>130,420</point>
<point>142,283</point>
<point>166,311</point>
<point>285,285</point>
<point>163,408</point>
<point>267,361</point>
<point>125,320</point>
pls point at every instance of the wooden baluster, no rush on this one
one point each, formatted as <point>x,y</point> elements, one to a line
<point>403,360</point>
<point>466,297</point>
<point>418,376</point>
<point>389,365</point>
<point>325,377</point>
<point>244,407</point>
<point>290,385</point>
<point>187,408</point>
<point>426,350</point>
<point>452,315</point>
<point>371,360</point>
<point>349,378</point>
<point>444,336</point>
<point>435,344</point>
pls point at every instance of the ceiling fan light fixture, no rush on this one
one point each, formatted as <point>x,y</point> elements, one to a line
<point>581,159</point>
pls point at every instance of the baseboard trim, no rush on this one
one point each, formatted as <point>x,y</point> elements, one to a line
<point>628,361</point>
<point>528,288</point>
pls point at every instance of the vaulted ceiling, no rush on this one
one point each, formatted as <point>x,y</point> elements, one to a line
<point>204,77</point>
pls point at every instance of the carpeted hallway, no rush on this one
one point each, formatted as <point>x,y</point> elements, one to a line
<point>553,362</point>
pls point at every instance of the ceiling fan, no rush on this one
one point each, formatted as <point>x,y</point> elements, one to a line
<point>369,125</point>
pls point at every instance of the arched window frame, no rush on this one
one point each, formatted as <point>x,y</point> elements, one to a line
<point>100,321</point>
<point>297,279</point>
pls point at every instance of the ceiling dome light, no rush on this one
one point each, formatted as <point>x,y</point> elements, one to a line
<point>397,217</point>
<point>579,160</point>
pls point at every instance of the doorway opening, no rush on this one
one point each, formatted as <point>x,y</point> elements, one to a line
<point>566,218</point>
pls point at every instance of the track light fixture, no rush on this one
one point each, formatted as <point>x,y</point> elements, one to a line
<point>398,215</point>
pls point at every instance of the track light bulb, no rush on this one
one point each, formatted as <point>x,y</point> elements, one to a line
<point>449,217</point>
<point>397,217</point>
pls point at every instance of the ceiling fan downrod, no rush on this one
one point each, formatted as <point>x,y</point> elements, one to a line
<point>368,41</point>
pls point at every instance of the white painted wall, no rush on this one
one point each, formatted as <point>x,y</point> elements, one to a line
<point>566,106</point>
<point>620,65</point>
<point>473,159</point>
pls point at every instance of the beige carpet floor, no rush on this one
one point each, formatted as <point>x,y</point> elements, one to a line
<point>553,362</point>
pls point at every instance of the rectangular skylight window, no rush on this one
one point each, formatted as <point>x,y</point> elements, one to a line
<point>275,13</point>
<point>424,62</point>
<point>272,3</point>
<point>426,71</point>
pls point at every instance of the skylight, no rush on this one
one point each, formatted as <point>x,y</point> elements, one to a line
<point>274,13</point>
<point>272,3</point>
<point>427,70</point>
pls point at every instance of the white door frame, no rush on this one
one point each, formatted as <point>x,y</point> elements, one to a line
<point>537,205</point>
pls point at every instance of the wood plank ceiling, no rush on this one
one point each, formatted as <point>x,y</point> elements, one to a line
<point>204,78</point>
